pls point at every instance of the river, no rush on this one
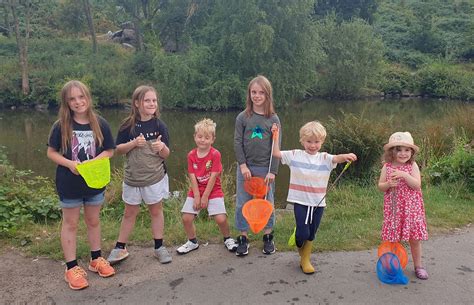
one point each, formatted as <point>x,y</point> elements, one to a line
<point>24,133</point>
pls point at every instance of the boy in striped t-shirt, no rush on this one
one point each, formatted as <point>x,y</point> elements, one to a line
<point>309,176</point>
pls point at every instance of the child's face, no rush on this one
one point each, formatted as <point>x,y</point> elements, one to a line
<point>257,95</point>
<point>204,140</point>
<point>77,101</point>
<point>147,107</point>
<point>312,145</point>
<point>402,154</point>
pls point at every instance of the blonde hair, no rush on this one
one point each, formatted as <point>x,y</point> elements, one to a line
<point>313,129</point>
<point>207,126</point>
<point>134,116</point>
<point>389,154</point>
<point>263,82</point>
<point>65,114</point>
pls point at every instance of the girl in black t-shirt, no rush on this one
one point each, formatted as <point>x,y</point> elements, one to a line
<point>79,135</point>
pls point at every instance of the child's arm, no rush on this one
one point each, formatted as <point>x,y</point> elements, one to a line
<point>124,148</point>
<point>160,148</point>
<point>59,159</point>
<point>276,144</point>
<point>385,184</point>
<point>195,189</point>
<point>109,153</point>
<point>210,185</point>
<point>413,180</point>
<point>344,158</point>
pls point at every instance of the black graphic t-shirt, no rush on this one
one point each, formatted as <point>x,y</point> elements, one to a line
<point>81,148</point>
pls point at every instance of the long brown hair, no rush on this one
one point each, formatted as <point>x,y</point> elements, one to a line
<point>263,82</point>
<point>66,115</point>
<point>134,116</point>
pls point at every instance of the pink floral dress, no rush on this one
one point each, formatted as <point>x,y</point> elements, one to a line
<point>404,211</point>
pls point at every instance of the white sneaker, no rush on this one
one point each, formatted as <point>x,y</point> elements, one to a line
<point>187,247</point>
<point>230,244</point>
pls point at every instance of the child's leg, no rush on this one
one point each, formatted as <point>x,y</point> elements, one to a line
<point>241,198</point>
<point>128,221</point>
<point>188,224</point>
<point>415,246</point>
<point>157,220</point>
<point>91,218</point>
<point>69,232</point>
<point>221,220</point>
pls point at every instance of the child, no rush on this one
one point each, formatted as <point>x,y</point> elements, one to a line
<point>252,145</point>
<point>204,169</point>
<point>404,212</point>
<point>143,138</point>
<point>309,175</point>
<point>79,135</point>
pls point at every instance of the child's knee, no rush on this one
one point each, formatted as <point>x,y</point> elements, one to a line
<point>188,218</point>
<point>220,219</point>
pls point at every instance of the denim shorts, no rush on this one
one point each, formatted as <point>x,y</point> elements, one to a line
<point>242,198</point>
<point>69,203</point>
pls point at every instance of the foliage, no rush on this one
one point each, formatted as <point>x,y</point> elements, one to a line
<point>396,79</point>
<point>353,54</point>
<point>347,9</point>
<point>361,136</point>
<point>416,32</point>
<point>24,198</point>
<point>457,166</point>
<point>443,80</point>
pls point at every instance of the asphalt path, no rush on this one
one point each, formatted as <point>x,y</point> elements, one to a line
<point>211,275</point>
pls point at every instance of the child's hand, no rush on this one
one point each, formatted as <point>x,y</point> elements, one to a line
<point>73,167</point>
<point>204,202</point>
<point>270,178</point>
<point>140,141</point>
<point>197,204</point>
<point>157,146</point>
<point>245,171</point>
<point>398,174</point>
<point>274,128</point>
<point>350,157</point>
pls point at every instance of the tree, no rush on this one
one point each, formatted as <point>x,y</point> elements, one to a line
<point>22,41</point>
<point>353,53</point>
<point>87,11</point>
<point>347,9</point>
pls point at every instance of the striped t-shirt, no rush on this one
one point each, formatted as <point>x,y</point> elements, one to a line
<point>309,176</point>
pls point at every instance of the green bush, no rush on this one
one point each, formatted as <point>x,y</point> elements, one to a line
<point>457,166</point>
<point>396,79</point>
<point>361,136</point>
<point>443,80</point>
<point>24,198</point>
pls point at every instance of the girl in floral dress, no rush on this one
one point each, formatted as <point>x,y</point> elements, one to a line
<point>404,212</point>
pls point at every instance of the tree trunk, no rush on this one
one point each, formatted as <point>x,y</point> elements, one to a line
<point>22,45</point>
<point>90,24</point>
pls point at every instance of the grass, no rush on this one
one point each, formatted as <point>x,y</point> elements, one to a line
<point>352,221</point>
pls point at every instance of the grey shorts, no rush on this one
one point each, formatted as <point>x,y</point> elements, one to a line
<point>149,194</point>
<point>216,206</point>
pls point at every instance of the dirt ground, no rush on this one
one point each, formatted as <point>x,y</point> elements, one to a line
<point>142,280</point>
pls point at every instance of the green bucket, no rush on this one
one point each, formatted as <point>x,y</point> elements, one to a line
<point>96,172</point>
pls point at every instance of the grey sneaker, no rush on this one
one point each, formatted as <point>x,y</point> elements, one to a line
<point>162,255</point>
<point>268,244</point>
<point>242,246</point>
<point>230,244</point>
<point>117,255</point>
<point>187,247</point>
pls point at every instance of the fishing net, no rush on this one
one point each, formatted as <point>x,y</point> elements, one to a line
<point>256,187</point>
<point>96,172</point>
<point>389,270</point>
<point>396,248</point>
<point>257,212</point>
<point>292,239</point>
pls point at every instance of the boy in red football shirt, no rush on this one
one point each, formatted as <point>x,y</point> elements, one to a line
<point>204,169</point>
